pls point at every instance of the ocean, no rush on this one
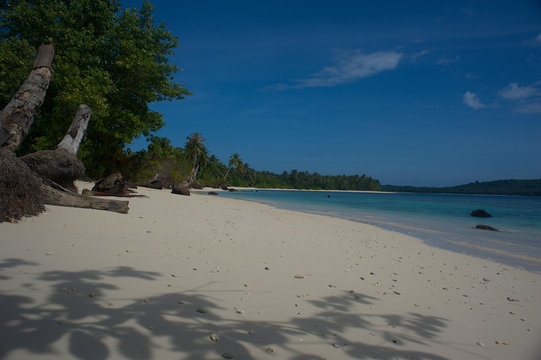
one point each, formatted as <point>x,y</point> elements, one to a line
<point>441,220</point>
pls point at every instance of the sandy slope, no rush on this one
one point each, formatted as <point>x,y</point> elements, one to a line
<point>265,283</point>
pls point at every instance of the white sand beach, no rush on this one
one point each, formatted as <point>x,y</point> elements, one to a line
<point>204,277</point>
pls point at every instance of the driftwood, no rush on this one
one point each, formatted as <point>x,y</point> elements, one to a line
<point>54,194</point>
<point>113,184</point>
<point>37,175</point>
<point>18,115</point>
<point>87,192</point>
<point>181,189</point>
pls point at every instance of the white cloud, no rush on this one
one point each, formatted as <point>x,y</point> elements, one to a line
<point>515,92</point>
<point>419,54</point>
<point>532,108</point>
<point>528,97</point>
<point>472,101</point>
<point>447,61</point>
<point>348,68</point>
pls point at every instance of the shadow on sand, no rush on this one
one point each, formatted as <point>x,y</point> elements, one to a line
<point>77,311</point>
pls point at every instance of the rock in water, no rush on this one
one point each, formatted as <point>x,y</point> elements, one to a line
<point>486,227</point>
<point>480,213</point>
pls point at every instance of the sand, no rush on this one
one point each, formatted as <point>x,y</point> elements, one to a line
<point>204,277</point>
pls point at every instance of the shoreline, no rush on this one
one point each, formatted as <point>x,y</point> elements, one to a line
<point>434,232</point>
<point>176,271</point>
<point>366,191</point>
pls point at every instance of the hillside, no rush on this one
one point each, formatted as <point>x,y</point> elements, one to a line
<point>499,187</point>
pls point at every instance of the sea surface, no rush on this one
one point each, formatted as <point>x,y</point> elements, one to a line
<point>441,220</point>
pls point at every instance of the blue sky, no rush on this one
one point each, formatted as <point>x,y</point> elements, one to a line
<point>431,93</point>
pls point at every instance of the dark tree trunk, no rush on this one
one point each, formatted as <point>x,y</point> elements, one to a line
<point>61,165</point>
<point>191,179</point>
<point>18,115</point>
<point>77,130</point>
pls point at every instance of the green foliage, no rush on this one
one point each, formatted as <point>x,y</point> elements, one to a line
<point>213,172</point>
<point>235,162</point>
<point>312,181</point>
<point>16,58</point>
<point>114,61</point>
<point>161,148</point>
<point>161,159</point>
<point>196,150</point>
<point>175,164</point>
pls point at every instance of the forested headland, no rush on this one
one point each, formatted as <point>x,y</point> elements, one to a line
<point>499,187</point>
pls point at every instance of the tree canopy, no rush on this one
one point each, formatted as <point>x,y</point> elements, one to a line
<point>113,60</point>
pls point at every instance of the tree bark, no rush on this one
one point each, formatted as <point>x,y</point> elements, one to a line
<point>77,130</point>
<point>18,115</point>
<point>192,177</point>
<point>61,165</point>
<point>54,194</point>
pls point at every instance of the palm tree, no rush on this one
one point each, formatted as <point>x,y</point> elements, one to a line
<point>236,162</point>
<point>195,149</point>
<point>251,174</point>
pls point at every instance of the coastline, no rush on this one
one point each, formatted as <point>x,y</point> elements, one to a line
<point>246,188</point>
<point>513,243</point>
<point>175,271</point>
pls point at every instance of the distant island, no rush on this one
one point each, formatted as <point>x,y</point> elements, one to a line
<point>499,187</point>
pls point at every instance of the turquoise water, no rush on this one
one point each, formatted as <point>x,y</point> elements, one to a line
<point>441,220</point>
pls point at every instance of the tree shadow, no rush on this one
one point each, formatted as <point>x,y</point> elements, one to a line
<point>78,311</point>
<point>12,263</point>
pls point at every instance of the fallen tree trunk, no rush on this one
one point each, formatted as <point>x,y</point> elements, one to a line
<point>87,192</point>
<point>54,194</point>
<point>18,115</point>
<point>23,192</point>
